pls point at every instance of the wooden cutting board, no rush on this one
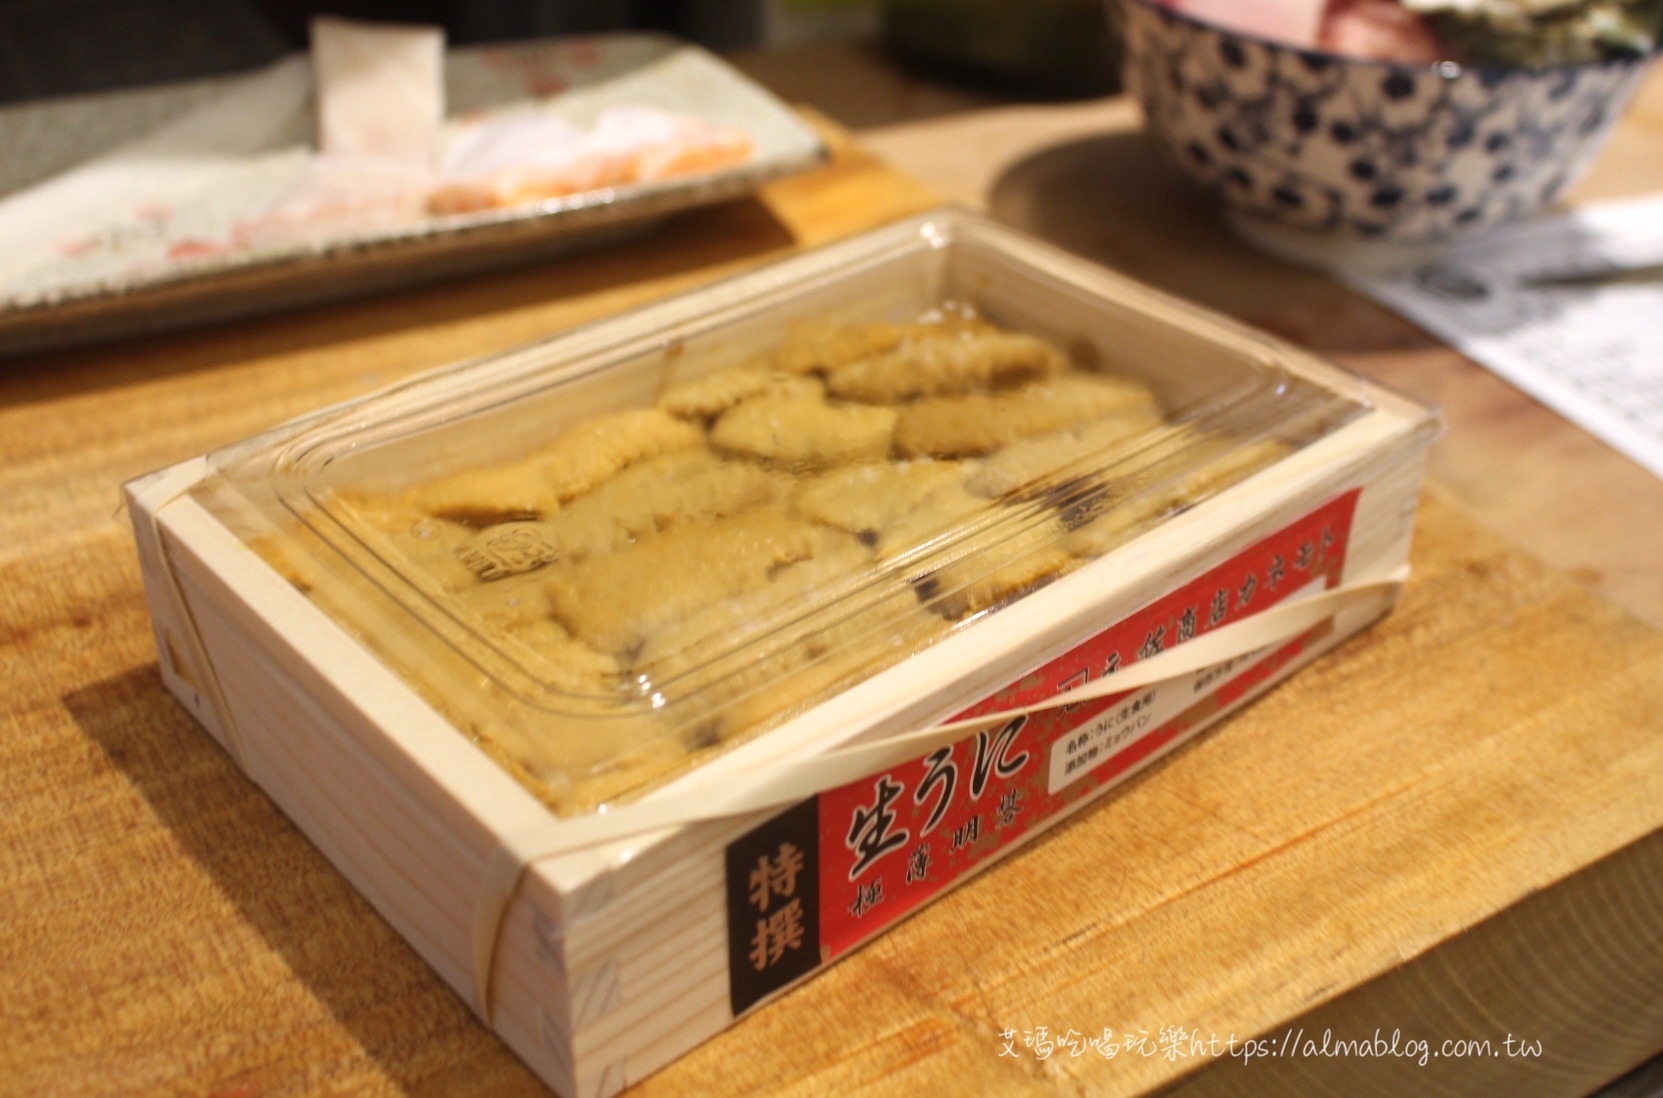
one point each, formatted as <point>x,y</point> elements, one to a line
<point>1453,825</point>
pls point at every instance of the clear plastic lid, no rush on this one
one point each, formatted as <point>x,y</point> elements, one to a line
<point>612,553</point>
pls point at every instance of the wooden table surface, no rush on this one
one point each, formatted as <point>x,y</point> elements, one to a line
<point>1459,809</point>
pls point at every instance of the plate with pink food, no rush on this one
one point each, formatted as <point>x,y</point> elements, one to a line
<point>379,159</point>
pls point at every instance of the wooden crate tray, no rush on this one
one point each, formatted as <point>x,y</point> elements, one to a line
<point>1423,781</point>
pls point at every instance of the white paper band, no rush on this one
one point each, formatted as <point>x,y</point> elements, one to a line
<point>782,783</point>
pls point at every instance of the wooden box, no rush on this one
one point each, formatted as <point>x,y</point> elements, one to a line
<point>610,888</point>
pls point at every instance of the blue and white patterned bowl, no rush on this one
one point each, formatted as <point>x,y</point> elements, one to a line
<point>1336,160</point>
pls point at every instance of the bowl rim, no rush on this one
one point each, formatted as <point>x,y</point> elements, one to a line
<point>1444,70</point>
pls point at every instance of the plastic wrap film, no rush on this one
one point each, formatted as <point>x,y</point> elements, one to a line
<point>607,556</point>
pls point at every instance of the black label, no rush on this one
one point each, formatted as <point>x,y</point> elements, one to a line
<point>773,904</point>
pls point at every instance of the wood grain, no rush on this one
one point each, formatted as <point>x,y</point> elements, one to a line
<point>167,931</point>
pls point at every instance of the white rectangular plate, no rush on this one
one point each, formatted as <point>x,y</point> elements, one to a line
<point>126,242</point>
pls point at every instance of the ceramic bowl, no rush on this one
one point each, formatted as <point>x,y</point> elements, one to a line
<point>1345,162</point>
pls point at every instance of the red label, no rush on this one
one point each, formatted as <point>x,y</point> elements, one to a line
<point>890,842</point>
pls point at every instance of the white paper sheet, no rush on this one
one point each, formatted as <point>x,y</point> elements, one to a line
<point>1592,351</point>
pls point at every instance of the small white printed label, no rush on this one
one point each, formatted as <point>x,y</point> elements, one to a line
<point>1101,738</point>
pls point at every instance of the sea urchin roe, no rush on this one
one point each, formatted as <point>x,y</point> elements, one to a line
<point>931,516</point>
<point>1028,460</point>
<point>679,648</point>
<point>590,452</point>
<point>952,362</point>
<point>779,529</point>
<point>399,531</point>
<point>783,682</point>
<point>616,602</point>
<point>816,348</point>
<point>977,423</point>
<point>870,500</point>
<point>648,497</point>
<point>796,430</point>
<point>1010,566</point>
<point>820,348</point>
<point>488,496</point>
<point>715,393</point>
<point>517,608</point>
<point>1103,521</point>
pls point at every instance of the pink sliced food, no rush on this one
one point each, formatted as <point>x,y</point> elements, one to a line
<point>514,159</point>
<point>1375,30</point>
<point>662,145</point>
<point>341,195</point>
<point>520,140</point>
<point>1291,22</point>
<point>380,94</point>
<point>1379,30</point>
